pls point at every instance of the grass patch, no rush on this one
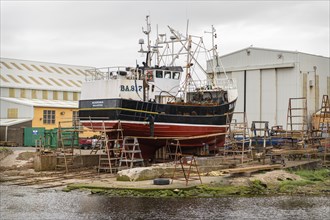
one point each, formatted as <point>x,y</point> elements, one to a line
<point>310,178</point>
<point>288,186</point>
<point>5,150</point>
<point>314,175</point>
<point>223,190</point>
<point>257,188</point>
<point>311,182</point>
<point>199,191</point>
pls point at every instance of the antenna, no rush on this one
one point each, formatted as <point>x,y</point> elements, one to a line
<point>215,56</point>
<point>147,32</point>
<point>187,28</point>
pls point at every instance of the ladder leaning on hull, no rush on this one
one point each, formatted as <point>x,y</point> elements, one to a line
<point>112,143</point>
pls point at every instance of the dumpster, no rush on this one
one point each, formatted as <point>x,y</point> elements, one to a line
<point>50,138</point>
<point>69,137</point>
<point>32,134</point>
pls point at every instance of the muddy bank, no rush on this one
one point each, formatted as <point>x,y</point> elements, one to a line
<point>16,169</point>
<point>302,182</point>
<point>4,152</point>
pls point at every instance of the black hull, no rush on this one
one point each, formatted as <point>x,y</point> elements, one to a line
<point>131,110</point>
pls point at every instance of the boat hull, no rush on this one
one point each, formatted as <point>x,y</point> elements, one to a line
<point>190,135</point>
<point>153,124</point>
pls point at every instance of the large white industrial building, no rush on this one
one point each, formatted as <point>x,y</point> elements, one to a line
<point>267,78</point>
<point>37,94</point>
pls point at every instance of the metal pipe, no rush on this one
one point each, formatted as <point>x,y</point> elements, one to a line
<point>6,134</point>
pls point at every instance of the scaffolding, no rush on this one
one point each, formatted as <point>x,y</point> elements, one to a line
<point>185,165</point>
<point>173,149</point>
<point>130,155</point>
<point>111,143</point>
<point>324,128</point>
<point>261,135</point>
<point>324,120</point>
<point>67,140</point>
<point>238,140</point>
<point>297,124</point>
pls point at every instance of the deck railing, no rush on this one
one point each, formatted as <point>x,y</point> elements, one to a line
<point>224,84</point>
<point>105,73</point>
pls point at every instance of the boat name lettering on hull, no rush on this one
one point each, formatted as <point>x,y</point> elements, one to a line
<point>131,88</point>
<point>97,104</point>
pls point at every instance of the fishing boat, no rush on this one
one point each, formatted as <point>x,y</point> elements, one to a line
<point>160,99</point>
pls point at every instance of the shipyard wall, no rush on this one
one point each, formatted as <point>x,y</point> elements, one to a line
<point>268,78</point>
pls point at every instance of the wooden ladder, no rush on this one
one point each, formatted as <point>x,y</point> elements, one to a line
<point>238,136</point>
<point>130,153</point>
<point>108,161</point>
<point>324,128</point>
<point>261,132</point>
<point>186,169</point>
<point>64,156</point>
<point>170,144</point>
<point>297,124</point>
<point>324,122</point>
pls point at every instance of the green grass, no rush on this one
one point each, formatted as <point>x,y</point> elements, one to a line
<point>314,175</point>
<point>309,178</point>
<point>5,150</point>
<point>312,181</point>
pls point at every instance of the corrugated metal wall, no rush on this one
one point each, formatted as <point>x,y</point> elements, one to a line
<point>272,77</point>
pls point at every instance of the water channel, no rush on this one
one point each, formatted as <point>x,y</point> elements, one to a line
<point>28,203</point>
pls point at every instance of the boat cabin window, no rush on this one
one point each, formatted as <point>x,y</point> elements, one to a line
<point>159,74</point>
<point>167,75</point>
<point>176,75</point>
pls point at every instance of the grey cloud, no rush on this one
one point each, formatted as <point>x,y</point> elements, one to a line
<point>101,33</point>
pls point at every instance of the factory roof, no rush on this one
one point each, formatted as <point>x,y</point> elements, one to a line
<point>13,121</point>
<point>42,102</point>
<point>272,50</point>
<point>40,75</point>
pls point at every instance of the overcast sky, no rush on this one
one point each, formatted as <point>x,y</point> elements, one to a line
<point>106,33</point>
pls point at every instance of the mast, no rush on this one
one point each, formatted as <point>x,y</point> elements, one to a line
<point>187,70</point>
<point>147,32</point>
<point>215,60</point>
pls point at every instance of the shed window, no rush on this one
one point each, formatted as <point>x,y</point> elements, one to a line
<point>75,96</point>
<point>33,94</point>
<point>55,95</point>
<point>23,93</point>
<point>65,96</point>
<point>44,94</point>
<point>49,117</point>
<point>11,92</point>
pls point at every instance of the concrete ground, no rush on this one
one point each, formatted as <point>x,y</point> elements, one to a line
<point>11,160</point>
<point>19,172</point>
